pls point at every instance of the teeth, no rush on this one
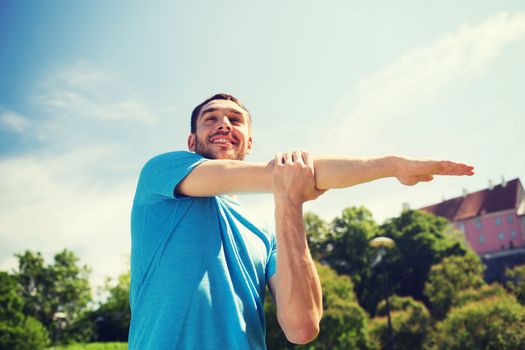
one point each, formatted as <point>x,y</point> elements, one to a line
<point>221,141</point>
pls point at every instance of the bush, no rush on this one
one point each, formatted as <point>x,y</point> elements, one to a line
<point>472,295</point>
<point>493,323</point>
<point>516,282</point>
<point>450,277</point>
<point>30,335</point>
<point>17,332</point>
<point>410,323</point>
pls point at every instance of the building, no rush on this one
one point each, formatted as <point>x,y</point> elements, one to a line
<point>492,219</point>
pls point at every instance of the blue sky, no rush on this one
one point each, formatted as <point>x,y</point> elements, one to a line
<point>90,90</point>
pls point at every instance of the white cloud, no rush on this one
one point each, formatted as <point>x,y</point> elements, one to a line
<point>57,201</point>
<point>14,121</point>
<point>424,73</point>
<point>83,91</point>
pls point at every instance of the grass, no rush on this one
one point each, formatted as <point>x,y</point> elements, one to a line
<point>92,346</point>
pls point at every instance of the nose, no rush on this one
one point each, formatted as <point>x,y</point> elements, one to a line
<point>224,124</point>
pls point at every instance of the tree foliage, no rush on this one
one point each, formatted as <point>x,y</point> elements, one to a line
<point>516,282</point>
<point>112,318</point>
<point>448,278</point>
<point>345,248</point>
<point>466,296</point>
<point>422,240</point>
<point>316,234</point>
<point>17,331</point>
<point>411,323</point>
<point>492,323</point>
<point>60,287</point>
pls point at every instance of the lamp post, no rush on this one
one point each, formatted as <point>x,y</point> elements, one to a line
<point>382,244</point>
<point>60,324</point>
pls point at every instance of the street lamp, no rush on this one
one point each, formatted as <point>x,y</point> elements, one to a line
<point>382,244</point>
<point>60,323</point>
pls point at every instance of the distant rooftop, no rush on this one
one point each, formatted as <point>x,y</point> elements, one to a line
<point>483,202</point>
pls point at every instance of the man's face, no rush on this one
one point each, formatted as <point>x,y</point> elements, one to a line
<point>223,131</point>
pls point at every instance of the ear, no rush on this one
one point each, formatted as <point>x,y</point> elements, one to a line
<point>191,142</point>
<point>249,145</point>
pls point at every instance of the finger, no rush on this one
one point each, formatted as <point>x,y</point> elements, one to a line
<point>452,168</point>
<point>308,160</point>
<point>288,158</point>
<point>298,157</point>
<point>279,160</point>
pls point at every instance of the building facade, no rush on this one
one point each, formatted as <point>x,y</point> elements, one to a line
<point>493,219</point>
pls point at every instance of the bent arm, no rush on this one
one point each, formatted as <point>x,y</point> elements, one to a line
<point>216,177</point>
<point>295,286</point>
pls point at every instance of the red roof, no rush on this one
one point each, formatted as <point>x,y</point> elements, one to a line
<point>478,203</point>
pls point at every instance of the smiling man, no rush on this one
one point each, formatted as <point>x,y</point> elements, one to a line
<point>199,266</point>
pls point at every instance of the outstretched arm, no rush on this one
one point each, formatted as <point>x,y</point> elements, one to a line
<point>340,172</point>
<point>232,176</point>
<point>295,286</point>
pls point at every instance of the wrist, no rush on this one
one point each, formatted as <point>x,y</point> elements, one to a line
<point>288,205</point>
<point>394,165</point>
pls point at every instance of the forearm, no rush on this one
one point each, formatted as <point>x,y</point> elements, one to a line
<point>298,293</point>
<point>344,171</point>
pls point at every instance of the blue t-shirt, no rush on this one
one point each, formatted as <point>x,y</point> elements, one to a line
<point>199,267</point>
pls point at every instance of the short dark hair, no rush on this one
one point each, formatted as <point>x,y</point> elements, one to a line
<point>220,96</point>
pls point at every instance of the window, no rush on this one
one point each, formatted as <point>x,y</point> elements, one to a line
<point>481,239</point>
<point>461,226</point>
<point>501,236</point>
<point>510,218</point>
<point>498,221</point>
<point>513,233</point>
<point>478,222</point>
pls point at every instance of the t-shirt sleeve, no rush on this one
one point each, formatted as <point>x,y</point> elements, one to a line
<point>162,174</point>
<point>272,259</point>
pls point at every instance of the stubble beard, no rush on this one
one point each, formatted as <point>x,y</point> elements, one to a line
<point>204,150</point>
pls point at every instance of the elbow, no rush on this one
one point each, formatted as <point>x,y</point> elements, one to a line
<point>303,335</point>
<point>301,331</point>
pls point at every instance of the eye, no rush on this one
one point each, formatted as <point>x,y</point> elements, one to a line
<point>211,118</point>
<point>236,120</point>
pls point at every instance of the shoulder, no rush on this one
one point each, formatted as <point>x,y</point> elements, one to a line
<point>173,159</point>
<point>162,173</point>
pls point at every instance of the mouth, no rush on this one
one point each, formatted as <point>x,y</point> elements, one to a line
<point>221,140</point>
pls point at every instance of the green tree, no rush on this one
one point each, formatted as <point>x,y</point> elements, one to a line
<point>492,323</point>
<point>422,240</point>
<point>448,278</point>
<point>11,303</point>
<point>112,317</point>
<point>60,287</point>
<point>411,324</point>
<point>346,250</point>
<point>516,282</point>
<point>476,294</point>
<point>17,332</point>
<point>344,322</point>
<point>316,234</point>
